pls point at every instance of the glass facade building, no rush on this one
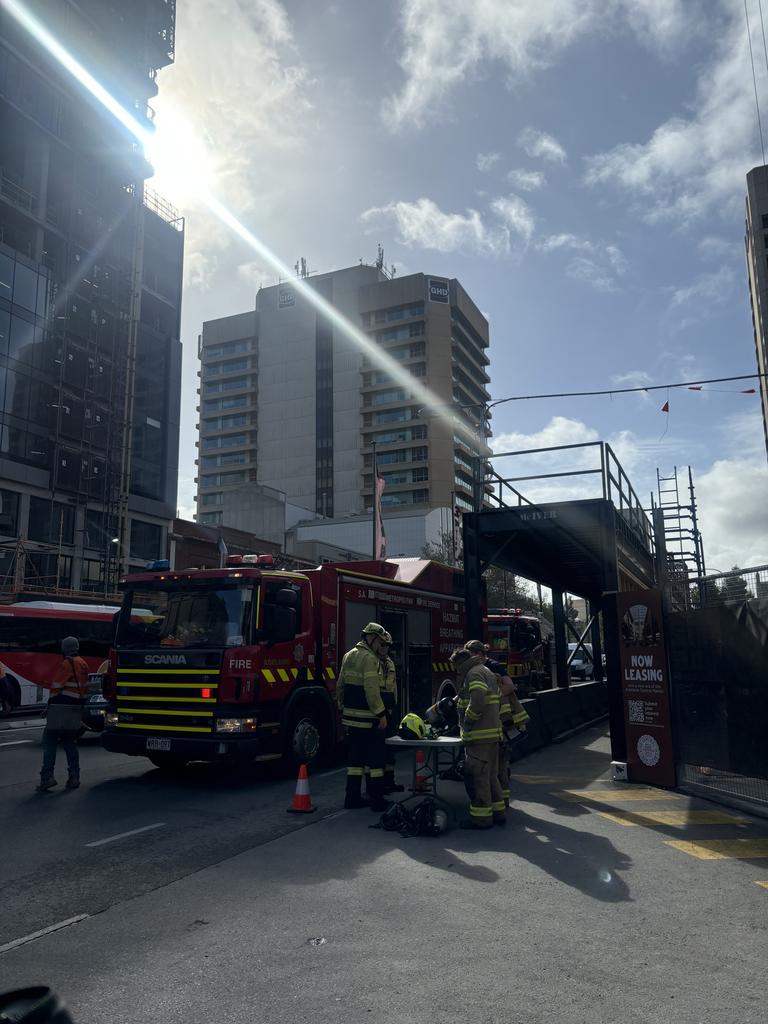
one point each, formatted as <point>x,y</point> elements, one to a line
<point>90,298</point>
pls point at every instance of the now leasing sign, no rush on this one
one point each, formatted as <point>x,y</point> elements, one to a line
<point>645,688</point>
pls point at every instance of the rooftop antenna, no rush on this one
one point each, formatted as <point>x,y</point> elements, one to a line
<point>380,258</point>
<point>300,266</point>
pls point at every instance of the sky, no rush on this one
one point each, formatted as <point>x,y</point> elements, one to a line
<point>578,165</point>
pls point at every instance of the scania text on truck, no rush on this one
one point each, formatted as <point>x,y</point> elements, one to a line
<point>240,663</point>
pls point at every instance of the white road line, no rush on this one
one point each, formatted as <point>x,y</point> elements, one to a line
<point>14,743</point>
<point>333,771</point>
<point>43,931</point>
<point>123,835</point>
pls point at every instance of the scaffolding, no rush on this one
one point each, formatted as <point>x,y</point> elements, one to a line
<point>677,520</point>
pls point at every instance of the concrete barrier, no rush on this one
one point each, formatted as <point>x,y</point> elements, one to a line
<point>592,699</point>
<point>560,711</point>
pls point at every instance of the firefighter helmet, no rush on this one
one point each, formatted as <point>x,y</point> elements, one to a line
<point>375,629</point>
<point>412,728</point>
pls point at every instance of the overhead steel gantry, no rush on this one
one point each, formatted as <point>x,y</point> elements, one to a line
<point>592,547</point>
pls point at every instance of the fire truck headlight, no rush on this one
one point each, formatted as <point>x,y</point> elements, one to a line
<point>111,718</point>
<point>236,724</point>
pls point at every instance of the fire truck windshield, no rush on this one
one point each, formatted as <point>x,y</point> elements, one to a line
<point>186,615</point>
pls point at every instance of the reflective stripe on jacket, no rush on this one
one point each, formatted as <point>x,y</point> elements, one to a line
<point>389,684</point>
<point>71,678</point>
<point>358,688</point>
<point>479,695</point>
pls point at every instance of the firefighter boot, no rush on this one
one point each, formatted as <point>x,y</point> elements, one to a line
<point>46,782</point>
<point>390,786</point>
<point>73,782</point>
<point>376,789</point>
<point>353,798</point>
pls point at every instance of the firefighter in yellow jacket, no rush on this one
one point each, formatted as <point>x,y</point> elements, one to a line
<point>512,714</point>
<point>359,694</point>
<point>389,696</point>
<point>478,705</point>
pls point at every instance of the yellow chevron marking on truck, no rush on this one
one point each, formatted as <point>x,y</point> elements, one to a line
<point>331,673</point>
<point>174,714</point>
<point>164,728</point>
<point>268,674</point>
<point>682,818</point>
<point>722,849</point>
<point>130,685</point>
<point>162,671</point>
<point>171,700</point>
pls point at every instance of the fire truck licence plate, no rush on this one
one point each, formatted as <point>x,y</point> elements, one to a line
<point>158,743</point>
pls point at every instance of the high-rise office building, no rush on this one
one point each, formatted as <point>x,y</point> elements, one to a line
<point>756,244</point>
<point>288,400</point>
<point>90,297</point>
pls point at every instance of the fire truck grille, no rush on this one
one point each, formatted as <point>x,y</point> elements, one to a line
<point>166,700</point>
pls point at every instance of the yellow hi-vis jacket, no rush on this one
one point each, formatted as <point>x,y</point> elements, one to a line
<point>478,703</point>
<point>389,684</point>
<point>359,686</point>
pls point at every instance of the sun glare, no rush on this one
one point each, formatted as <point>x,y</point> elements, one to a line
<point>184,167</point>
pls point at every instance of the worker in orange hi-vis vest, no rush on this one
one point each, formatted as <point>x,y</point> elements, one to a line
<point>69,689</point>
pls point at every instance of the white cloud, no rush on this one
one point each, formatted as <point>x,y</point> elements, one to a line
<point>714,248</point>
<point>257,274</point>
<point>485,161</point>
<point>696,302</point>
<point>446,43</point>
<point>691,165</point>
<point>199,270</point>
<point>731,492</point>
<point>632,379</point>
<point>236,76</point>
<point>422,223</point>
<point>597,264</point>
<point>540,144</point>
<point>526,181</point>
<point>516,214</point>
<point>732,496</point>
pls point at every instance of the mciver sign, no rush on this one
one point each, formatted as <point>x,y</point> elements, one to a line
<point>438,291</point>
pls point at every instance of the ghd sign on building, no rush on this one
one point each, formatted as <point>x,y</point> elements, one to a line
<point>438,291</point>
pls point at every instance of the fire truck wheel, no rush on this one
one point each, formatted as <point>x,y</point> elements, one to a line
<point>167,762</point>
<point>304,738</point>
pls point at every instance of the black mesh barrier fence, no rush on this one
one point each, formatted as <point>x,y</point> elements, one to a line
<point>718,651</point>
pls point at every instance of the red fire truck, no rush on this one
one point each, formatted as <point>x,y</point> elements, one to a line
<point>515,640</point>
<point>240,663</point>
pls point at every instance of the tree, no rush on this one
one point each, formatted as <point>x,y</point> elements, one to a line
<point>504,589</point>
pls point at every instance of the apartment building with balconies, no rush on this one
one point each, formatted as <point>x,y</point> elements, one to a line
<point>289,400</point>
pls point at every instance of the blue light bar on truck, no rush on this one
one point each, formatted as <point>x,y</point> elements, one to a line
<point>159,565</point>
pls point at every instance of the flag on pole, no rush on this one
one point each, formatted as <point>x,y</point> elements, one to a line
<point>379,536</point>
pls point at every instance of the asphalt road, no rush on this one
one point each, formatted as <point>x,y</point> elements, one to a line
<point>581,910</point>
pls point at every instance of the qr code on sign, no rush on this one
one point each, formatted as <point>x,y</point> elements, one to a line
<point>636,711</point>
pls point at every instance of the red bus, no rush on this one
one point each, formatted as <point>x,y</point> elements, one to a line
<point>30,644</point>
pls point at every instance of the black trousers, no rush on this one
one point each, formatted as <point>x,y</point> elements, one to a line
<point>365,749</point>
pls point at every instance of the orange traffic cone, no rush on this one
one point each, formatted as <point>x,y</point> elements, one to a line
<point>421,780</point>
<point>302,802</point>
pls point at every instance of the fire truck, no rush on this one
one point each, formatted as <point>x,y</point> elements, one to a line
<point>515,640</point>
<point>240,663</point>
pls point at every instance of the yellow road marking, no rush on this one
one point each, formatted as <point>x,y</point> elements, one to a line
<point>610,795</point>
<point>674,818</point>
<point>536,780</point>
<point>723,849</point>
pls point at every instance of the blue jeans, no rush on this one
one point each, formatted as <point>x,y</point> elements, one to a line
<point>68,740</point>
